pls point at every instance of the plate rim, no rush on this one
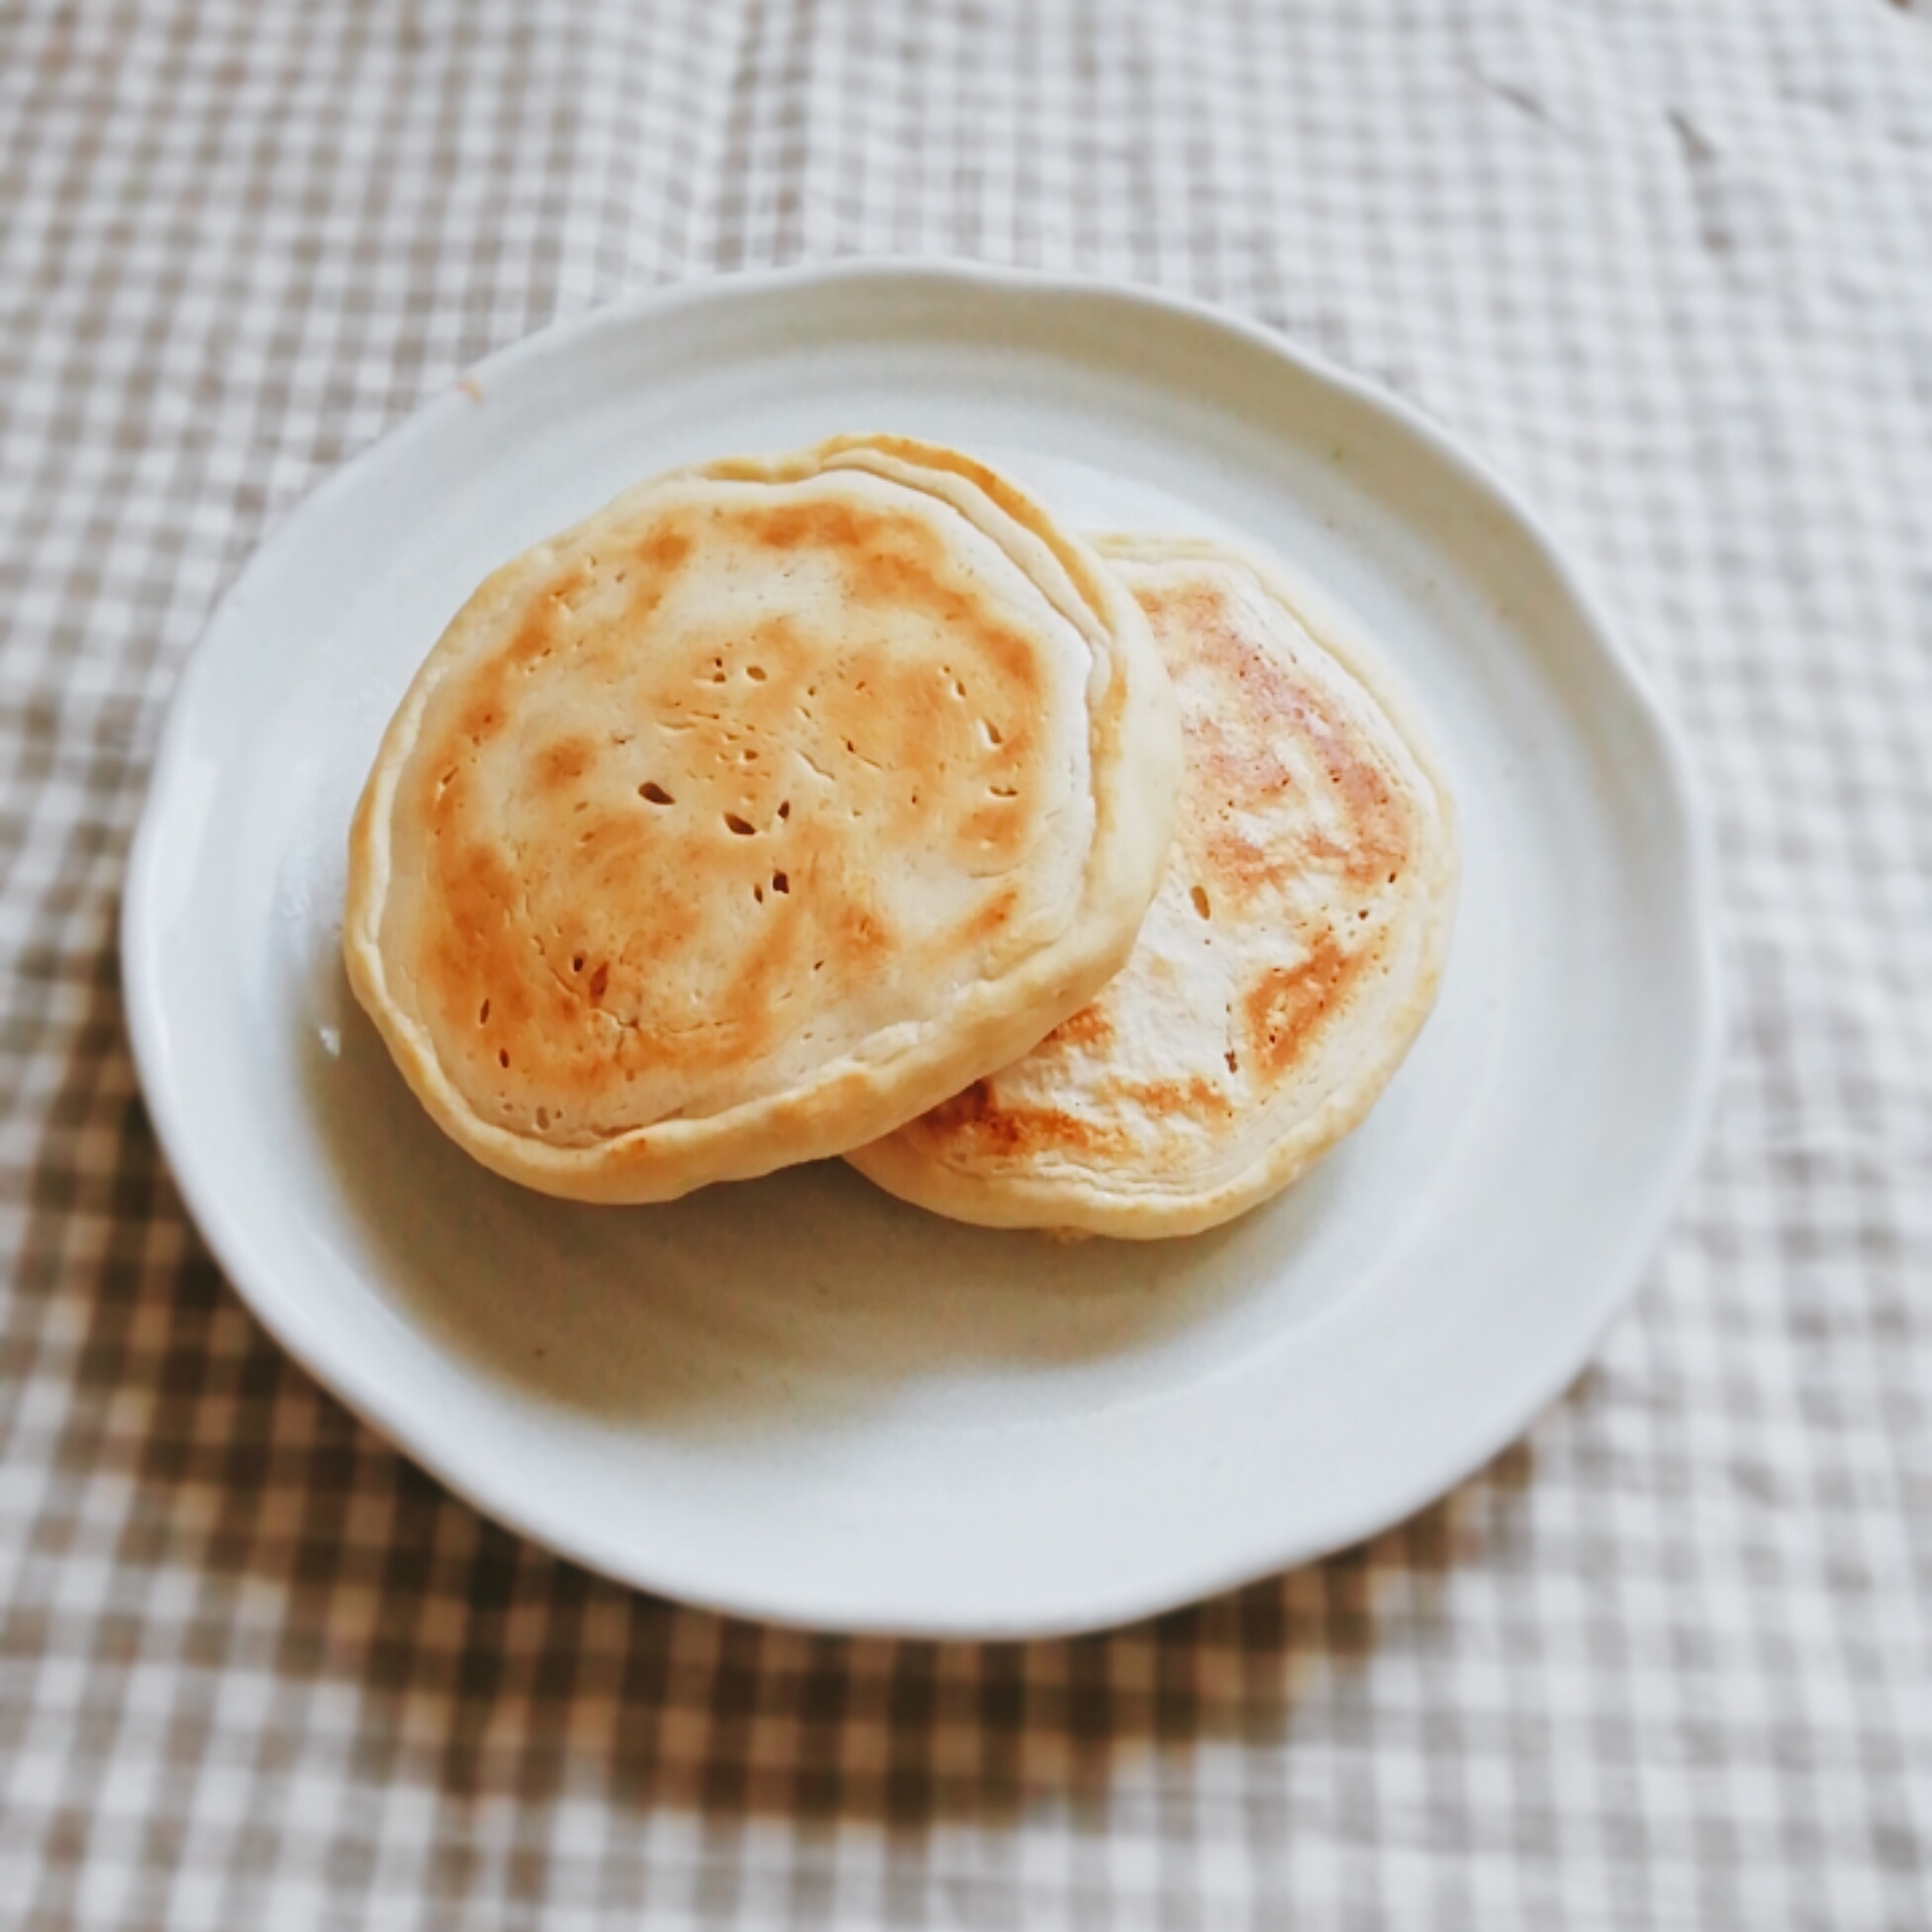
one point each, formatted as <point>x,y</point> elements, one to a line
<point>1502,1422</point>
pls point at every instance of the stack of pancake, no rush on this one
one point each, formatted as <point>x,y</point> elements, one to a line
<point>849,802</point>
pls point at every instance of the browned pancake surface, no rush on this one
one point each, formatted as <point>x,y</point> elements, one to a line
<point>753,782</point>
<point>1285,964</point>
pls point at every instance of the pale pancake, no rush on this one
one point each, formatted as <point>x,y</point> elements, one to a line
<point>754,815</point>
<point>1283,968</point>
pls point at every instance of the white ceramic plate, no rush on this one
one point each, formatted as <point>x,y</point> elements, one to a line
<point>797,1399</point>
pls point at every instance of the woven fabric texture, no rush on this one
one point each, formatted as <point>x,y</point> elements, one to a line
<point>1668,1662</point>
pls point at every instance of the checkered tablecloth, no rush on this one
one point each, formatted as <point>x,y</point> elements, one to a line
<point>1668,1662</point>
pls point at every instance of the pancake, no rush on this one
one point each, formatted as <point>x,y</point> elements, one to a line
<point>1284,967</point>
<point>755,814</point>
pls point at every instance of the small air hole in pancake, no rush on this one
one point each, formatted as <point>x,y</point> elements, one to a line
<point>742,826</point>
<point>993,735</point>
<point>755,672</point>
<point>1233,1064</point>
<point>483,1014</point>
<point>758,892</point>
<point>1201,905</point>
<point>542,1116</point>
<point>781,882</point>
<point>578,963</point>
<point>785,809</point>
<point>1004,790</point>
<point>503,1056</point>
<point>599,980</point>
<point>650,789</point>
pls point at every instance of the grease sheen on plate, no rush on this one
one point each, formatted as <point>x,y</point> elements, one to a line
<point>796,1397</point>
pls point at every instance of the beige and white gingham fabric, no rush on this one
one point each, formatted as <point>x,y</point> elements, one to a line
<point>1669,1663</point>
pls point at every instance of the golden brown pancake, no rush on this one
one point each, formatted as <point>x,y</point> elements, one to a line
<point>1283,968</point>
<point>755,814</point>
